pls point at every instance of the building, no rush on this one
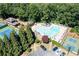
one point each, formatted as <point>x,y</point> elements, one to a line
<point>12,21</point>
<point>45,39</point>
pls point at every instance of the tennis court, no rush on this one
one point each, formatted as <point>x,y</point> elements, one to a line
<point>7,30</point>
<point>4,29</point>
<point>2,25</point>
<point>72,43</point>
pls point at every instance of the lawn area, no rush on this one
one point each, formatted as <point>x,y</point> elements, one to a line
<point>57,44</point>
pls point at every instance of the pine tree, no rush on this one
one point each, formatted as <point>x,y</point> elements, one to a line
<point>16,50</point>
<point>4,49</point>
<point>6,45</point>
<point>29,34</point>
<point>23,40</point>
<point>1,50</point>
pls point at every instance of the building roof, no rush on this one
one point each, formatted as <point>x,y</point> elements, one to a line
<point>15,23</point>
<point>45,39</point>
<point>10,19</point>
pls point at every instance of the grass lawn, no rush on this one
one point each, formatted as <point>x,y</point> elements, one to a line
<point>56,43</point>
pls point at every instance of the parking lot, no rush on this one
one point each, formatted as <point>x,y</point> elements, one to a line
<point>41,52</point>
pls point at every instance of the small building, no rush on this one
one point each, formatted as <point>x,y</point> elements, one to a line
<point>45,39</point>
<point>12,21</point>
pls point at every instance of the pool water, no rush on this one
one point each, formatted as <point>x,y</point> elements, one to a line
<point>7,30</point>
<point>48,31</point>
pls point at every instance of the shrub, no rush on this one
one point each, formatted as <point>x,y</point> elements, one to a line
<point>37,41</point>
<point>29,49</point>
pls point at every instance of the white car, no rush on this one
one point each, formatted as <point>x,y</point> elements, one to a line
<point>58,51</point>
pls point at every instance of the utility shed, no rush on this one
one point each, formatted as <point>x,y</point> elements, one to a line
<point>45,39</point>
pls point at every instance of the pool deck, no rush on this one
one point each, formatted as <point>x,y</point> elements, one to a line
<point>62,36</point>
<point>58,36</point>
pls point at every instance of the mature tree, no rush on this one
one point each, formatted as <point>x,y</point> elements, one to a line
<point>23,40</point>
<point>15,47</point>
<point>69,49</point>
<point>78,52</point>
<point>29,34</point>
<point>1,48</point>
<point>6,45</point>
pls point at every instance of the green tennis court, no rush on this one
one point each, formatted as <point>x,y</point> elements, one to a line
<point>5,30</point>
<point>72,43</point>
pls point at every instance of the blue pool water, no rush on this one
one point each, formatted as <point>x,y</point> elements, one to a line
<point>6,31</point>
<point>48,31</point>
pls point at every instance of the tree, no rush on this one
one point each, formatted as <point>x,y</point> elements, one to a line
<point>15,47</point>
<point>37,41</point>
<point>78,52</point>
<point>69,49</point>
<point>1,49</point>
<point>29,35</point>
<point>23,40</point>
<point>29,49</point>
<point>6,45</point>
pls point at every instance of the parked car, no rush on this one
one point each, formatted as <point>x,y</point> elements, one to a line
<point>62,54</point>
<point>43,47</point>
<point>58,51</point>
<point>55,48</point>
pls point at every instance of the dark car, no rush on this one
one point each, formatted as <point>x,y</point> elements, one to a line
<point>62,54</point>
<point>43,47</point>
<point>55,48</point>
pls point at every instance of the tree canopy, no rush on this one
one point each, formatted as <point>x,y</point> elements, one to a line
<point>67,14</point>
<point>16,44</point>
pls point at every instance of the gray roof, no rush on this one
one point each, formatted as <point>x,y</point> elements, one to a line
<point>10,19</point>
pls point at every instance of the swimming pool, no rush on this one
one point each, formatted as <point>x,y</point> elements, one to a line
<point>49,31</point>
<point>7,30</point>
<point>71,43</point>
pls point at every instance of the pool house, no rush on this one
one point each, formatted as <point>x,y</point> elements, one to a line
<point>12,21</point>
<point>45,39</point>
